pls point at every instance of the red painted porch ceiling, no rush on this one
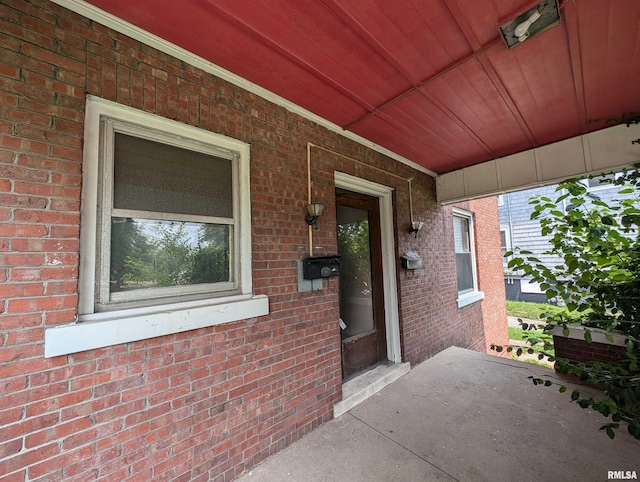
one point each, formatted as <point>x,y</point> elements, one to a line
<point>430,80</point>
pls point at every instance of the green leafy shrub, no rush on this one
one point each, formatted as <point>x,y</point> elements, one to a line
<point>598,281</point>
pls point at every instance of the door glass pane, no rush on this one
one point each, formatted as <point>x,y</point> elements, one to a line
<point>356,297</point>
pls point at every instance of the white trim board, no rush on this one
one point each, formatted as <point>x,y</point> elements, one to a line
<point>605,150</point>
<point>111,21</point>
<point>76,337</point>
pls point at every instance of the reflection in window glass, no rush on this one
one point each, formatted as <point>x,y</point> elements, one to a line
<point>147,253</point>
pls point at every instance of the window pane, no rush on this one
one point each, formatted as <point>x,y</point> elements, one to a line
<point>148,253</point>
<point>461,235</point>
<point>464,271</point>
<point>356,295</point>
<point>150,176</point>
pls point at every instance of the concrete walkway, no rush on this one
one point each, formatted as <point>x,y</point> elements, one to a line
<point>513,321</point>
<point>460,416</point>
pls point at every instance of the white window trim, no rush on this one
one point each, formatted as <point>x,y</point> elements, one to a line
<point>602,187</point>
<point>96,330</point>
<point>507,237</point>
<point>470,296</point>
<point>110,300</point>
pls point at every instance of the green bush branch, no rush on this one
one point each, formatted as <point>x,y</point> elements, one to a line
<point>598,282</point>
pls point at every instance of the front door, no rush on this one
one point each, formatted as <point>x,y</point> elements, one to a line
<point>361,285</point>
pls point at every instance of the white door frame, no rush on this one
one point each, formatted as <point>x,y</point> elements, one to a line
<point>384,195</point>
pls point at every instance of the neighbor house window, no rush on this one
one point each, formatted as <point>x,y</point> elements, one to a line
<point>600,182</point>
<point>465,258</point>
<point>165,241</point>
<point>505,243</point>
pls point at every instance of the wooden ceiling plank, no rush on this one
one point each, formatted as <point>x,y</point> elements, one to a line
<point>451,115</point>
<point>288,54</point>
<point>463,25</point>
<point>425,82</point>
<point>508,100</point>
<point>466,30</point>
<point>570,14</point>
<point>347,18</point>
<point>366,35</point>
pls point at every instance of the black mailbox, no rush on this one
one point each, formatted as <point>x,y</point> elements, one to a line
<point>321,267</point>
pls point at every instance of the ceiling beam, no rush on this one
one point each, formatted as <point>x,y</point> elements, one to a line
<point>387,55</point>
<point>465,29</point>
<point>345,17</point>
<point>570,13</point>
<point>606,150</point>
<point>477,53</point>
<point>424,82</point>
<point>119,25</point>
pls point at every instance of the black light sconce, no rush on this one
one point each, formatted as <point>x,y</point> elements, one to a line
<point>314,211</point>
<point>415,228</point>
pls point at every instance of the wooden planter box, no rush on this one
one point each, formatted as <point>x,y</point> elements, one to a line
<point>575,348</point>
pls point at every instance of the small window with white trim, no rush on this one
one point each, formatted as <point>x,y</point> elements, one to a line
<point>465,258</point>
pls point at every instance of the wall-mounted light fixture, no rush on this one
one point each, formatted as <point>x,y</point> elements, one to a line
<point>529,23</point>
<point>314,210</point>
<point>415,226</point>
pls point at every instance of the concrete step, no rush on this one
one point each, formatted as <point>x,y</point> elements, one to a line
<point>361,387</point>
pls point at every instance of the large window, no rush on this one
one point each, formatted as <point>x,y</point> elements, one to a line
<point>465,258</point>
<point>167,217</point>
<point>165,241</point>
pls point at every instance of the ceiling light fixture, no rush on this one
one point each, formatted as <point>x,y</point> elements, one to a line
<point>522,30</point>
<point>529,23</point>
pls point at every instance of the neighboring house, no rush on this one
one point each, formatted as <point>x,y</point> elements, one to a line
<point>156,323</point>
<point>518,230</point>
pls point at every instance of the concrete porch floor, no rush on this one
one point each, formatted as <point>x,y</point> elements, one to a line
<point>459,416</point>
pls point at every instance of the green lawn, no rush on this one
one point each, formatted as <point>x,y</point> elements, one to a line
<point>518,334</point>
<point>533,311</point>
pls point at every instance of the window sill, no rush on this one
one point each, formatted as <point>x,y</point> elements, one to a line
<point>470,297</point>
<point>113,328</point>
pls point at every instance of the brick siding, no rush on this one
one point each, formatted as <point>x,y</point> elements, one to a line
<point>584,352</point>
<point>490,272</point>
<point>211,403</point>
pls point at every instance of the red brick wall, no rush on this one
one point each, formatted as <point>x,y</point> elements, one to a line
<point>210,403</point>
<point>581,351</point>
<point>490,271</point>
